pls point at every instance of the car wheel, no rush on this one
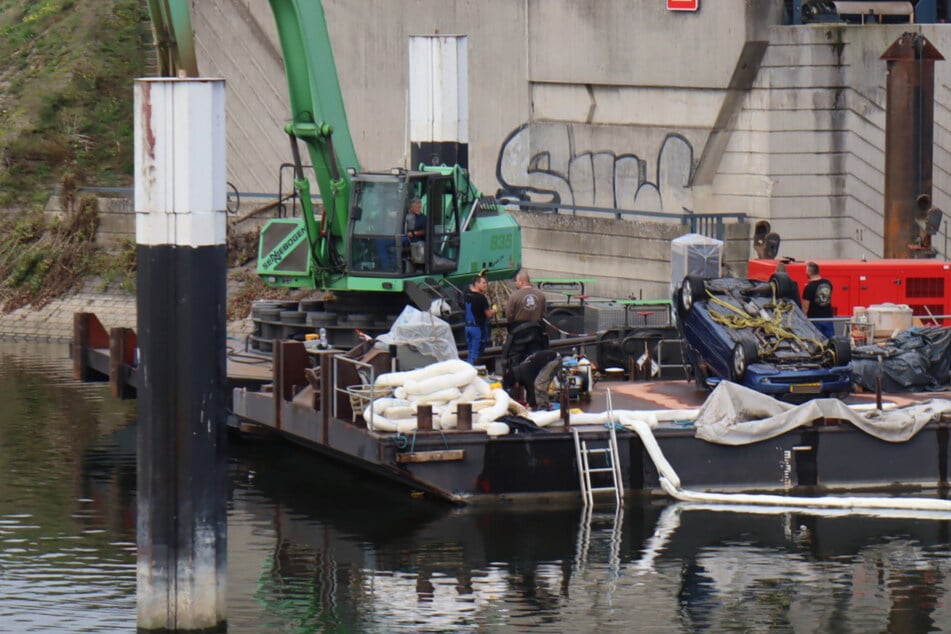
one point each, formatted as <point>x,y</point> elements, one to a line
<point>691,290</point>
<point>744,353</point>
<point>841,350</point>
<point>784,287</point>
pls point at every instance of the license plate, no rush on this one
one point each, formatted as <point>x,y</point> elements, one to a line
<point>806,388</point>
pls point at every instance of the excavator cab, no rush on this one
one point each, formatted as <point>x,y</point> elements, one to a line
<point>385,239</point>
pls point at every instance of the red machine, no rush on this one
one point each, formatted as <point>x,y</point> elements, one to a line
<point>924,285</point>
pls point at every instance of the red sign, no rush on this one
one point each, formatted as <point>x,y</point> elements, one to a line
<point>683,5</point>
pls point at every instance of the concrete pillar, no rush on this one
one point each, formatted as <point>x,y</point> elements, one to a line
<point>438,100</point>
<point>180,204</point>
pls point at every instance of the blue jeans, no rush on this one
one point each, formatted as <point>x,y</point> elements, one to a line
<point>825,327</point>
<point>476,339</point>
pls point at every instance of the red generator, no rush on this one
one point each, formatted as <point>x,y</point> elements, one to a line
<point>924,285</point>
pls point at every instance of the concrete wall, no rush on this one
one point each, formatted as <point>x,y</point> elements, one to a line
<point>807,149</point>
<point>116,218</point>
<point>610,104</point>
<point>628,259</point>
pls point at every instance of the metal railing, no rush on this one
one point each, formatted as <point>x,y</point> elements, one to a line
<point>710,225</point>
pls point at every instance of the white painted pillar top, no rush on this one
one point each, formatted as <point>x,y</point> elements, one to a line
<point>438,88</point>
<point>180,167</point>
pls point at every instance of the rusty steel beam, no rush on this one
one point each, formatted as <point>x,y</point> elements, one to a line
<point>909,137</point>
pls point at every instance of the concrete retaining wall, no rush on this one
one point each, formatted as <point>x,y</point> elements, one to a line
<point>629,259</point>
<point>586,102</point>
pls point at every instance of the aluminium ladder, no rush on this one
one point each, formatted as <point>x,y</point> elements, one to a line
<point>600,461</point>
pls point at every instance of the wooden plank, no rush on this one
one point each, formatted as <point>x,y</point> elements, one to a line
<point>431,456</point>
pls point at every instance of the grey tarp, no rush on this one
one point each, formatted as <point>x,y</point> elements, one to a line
<point>736,415</point>
<point>914,360</point>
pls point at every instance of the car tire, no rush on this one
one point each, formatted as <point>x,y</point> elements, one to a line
<point>744,353</point>
<point>692,289</point>
<point>841,350</point>
<point>784,287</point>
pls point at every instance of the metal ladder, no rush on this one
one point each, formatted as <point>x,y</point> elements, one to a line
<point>607,462</point>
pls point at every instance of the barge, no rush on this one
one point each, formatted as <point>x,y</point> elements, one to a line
<point>318,399</point>
<point>467,466</point>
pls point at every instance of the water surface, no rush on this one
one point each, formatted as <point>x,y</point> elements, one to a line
<point>314,547</point>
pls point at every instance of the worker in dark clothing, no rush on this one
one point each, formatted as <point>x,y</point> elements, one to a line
<point>478,314</point>
<point>535,374</point>
<point>817,300</point>
<point>526,304</point>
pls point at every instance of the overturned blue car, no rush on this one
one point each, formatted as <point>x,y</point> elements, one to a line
<point>754,333</point>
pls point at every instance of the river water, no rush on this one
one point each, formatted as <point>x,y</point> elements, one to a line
<point>316,548</point>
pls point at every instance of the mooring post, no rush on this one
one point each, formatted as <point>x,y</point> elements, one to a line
<point>464,416</point>
<point>180,204</point>
<point>424,418</point>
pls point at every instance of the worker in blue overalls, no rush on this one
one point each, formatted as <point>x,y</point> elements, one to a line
<point>478,314</point>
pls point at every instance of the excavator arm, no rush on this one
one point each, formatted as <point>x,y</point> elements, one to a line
<point>360,243</point>
<point>319,120</point>
<point>174,41</point>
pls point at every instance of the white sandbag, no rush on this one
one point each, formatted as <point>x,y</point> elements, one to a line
<point>470,392</point>
<point>394,379</point>
<point>483,389</point>
<point>543,419</point>
<point>517,408</point>
<point>496,429</point>
<point>448,421</point>
<point>442,396</point>
<point>430,384</point>
<point>498,409</point>
<point>399,411</point>
<point>373,413</point>
<point>481,404</point>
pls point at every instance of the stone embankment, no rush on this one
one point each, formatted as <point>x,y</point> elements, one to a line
<point>54,322</point>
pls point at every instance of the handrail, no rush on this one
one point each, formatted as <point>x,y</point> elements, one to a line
<point>698,222</point>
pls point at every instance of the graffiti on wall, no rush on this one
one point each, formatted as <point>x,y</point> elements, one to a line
<point>547,163</point>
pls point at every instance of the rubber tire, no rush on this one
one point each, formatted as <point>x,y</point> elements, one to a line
<point>692,289</point>
<point>744,353</point>
<point>842,350</point>
<point>784,286</point>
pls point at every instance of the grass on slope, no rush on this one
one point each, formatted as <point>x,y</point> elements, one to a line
<point>66,76</point>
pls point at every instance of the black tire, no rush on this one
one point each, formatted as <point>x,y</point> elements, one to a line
<point>692,289</point>
<point>841,350</point>
<point>744,353</point>
<point>784,287</point>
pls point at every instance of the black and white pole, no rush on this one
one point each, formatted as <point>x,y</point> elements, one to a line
<point>180,204</point>
<point>439,100</point>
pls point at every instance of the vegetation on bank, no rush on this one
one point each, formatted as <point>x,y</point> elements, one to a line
<point>67,69</point>
<point>66,74</point>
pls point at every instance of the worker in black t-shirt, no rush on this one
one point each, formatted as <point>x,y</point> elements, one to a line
<point>478,314</point>
<point>817,300</point>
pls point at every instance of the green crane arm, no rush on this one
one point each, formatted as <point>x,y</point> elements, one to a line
<point>174,40</point>
<point>318,119</point>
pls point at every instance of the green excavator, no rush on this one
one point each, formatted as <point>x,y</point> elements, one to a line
<point>366,246</point>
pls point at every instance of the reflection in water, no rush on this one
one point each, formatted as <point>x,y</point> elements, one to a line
<point>313,547</point>
<point>352,555</point>
<point>67,534</point>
